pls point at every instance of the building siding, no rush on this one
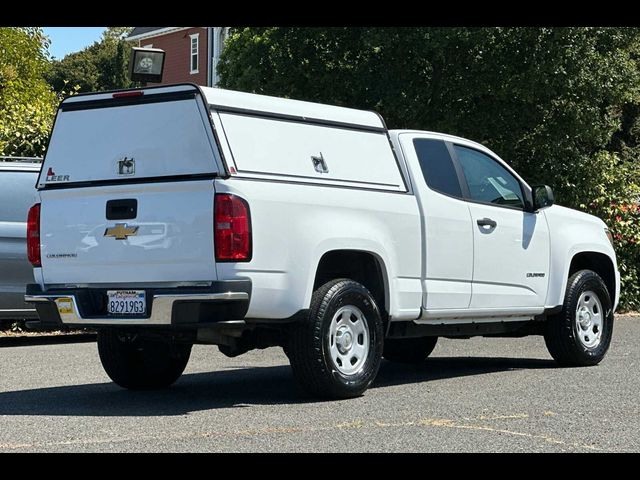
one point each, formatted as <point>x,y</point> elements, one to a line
<point>177,61</point>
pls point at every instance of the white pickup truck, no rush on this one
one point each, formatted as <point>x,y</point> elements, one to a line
<point>176,215</point>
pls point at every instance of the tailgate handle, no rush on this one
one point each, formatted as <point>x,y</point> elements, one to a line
<point>124,209</point>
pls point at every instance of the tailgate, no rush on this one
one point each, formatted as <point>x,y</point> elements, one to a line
<point>169,240</point>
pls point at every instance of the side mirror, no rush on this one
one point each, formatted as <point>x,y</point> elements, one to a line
<point>542,196</point>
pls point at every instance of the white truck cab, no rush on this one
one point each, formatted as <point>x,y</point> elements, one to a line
<point>175,215</point>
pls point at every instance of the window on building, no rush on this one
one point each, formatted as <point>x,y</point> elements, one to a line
<point>194,52</point>
<point>148,46</point>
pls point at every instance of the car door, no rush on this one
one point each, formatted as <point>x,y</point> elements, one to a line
<point>510,244</point>
<point>17,194</point>
<point>447,247</point>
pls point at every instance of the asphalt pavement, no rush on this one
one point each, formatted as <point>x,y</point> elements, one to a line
<point>478,395</point>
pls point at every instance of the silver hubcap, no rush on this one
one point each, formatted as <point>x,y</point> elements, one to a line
<point>589,317</point>
<point>348,340</point>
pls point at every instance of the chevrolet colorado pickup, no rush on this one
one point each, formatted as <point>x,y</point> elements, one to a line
<point>174,215</point>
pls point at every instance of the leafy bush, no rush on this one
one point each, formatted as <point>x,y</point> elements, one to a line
<point>27,103</point>
<point>613,192</point>
<point>100,66</point>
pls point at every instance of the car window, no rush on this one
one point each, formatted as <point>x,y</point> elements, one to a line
<point>437,166</point>
<point>17,194</point>
<point>488,181</point>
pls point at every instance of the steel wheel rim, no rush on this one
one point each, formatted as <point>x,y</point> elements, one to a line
<point>589,319</point>
<point>348,340</point>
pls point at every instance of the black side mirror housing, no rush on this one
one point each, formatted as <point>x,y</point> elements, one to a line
<point>542,196</point>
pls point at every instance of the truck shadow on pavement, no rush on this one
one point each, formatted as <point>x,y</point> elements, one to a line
<point>234,387</point>
<point>442,368</point>
<point>46,339</point>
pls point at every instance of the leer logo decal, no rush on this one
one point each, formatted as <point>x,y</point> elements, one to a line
<point>120,231</point>
<point>52,177</point>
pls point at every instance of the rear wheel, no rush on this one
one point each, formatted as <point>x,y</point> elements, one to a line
<point>581,333</point>
<point>409,350</point>
<point>336,351</point>
<point>140,364</point>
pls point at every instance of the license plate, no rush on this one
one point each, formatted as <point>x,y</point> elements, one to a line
<point>126,302</point>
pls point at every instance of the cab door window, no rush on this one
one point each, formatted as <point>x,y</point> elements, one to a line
<point>488,181</point>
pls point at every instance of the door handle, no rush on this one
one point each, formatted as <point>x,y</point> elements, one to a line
<point>487,222</point>
<point>125,209</point>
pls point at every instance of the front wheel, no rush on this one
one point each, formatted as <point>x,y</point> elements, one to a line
<point>140,364</point>
<point>336,351</point>
<point>580,334</point>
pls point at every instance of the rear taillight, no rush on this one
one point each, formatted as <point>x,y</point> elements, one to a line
<point>232,229</point>
<point>33,235</point>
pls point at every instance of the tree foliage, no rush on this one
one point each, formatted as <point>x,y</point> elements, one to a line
<point>27,104</point>
<point>559,104</point>
<point>101,66</point>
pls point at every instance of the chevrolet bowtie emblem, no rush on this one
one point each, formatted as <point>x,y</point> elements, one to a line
<point>120,231</point>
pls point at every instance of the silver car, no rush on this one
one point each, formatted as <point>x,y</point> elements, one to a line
<point>17,193</point>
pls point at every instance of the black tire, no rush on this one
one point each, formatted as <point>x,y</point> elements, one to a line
<point>141,364</point>
<point>309,350</point>
<point>285,349</point>
<point>561,330</point>
<point>409,350</point>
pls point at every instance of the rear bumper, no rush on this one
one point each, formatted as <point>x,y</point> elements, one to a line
<point>172,307</point>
